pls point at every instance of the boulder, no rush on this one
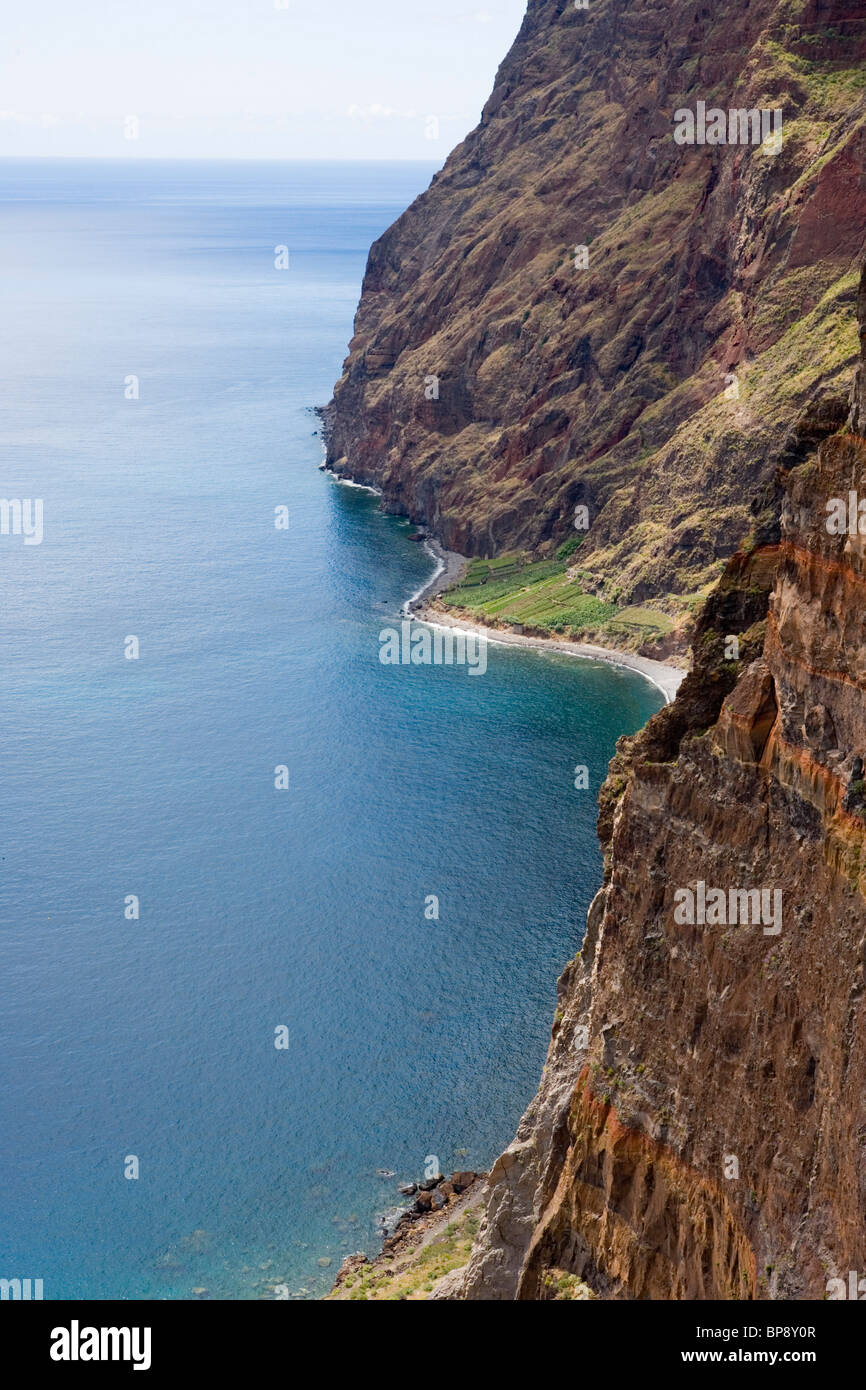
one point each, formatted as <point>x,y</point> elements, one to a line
<point>460,1181</point>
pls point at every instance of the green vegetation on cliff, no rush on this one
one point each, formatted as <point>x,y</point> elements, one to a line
<point>547,596</point>
<point>412,1278</point>
<point>653,379</point>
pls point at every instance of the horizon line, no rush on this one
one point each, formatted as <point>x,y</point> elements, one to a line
<point>227,158</point>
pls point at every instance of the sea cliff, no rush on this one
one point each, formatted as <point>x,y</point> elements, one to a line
<point>700,1125</point>
<point>580,312</point>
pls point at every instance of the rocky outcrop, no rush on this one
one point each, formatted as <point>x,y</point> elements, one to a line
<point>499,375</point>
<point>429,1244</point>
<point>700,1128</point>
<point>580,311</point>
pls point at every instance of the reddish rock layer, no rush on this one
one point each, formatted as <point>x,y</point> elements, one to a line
<point>605,386</point>
<point>700,1128</point>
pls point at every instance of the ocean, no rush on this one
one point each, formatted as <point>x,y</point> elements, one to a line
<point>168,912</point>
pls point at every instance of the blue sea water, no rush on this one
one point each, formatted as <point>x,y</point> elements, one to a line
<point>154,777</point>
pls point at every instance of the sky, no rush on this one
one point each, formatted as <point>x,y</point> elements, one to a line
<point>251,79</point>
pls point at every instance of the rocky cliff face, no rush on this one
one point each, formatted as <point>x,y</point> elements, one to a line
<point>650,378</point>
<point>700,1128</point>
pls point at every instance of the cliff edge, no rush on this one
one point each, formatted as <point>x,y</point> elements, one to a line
<point>582,312</point>
<point>700,1128</point>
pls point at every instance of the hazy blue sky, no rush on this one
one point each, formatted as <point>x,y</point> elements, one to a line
<point>354,79</point>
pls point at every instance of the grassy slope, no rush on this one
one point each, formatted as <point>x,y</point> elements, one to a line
<point>608,385</point>
<point>549,597</point>
<point>413,1279</point>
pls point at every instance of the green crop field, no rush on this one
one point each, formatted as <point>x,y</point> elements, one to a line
<point>539,594</point>
<point>641,620</point>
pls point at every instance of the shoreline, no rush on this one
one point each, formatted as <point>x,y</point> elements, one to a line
<point>450,566</point>
<point>402,1250</point>
<point>400,1268</point>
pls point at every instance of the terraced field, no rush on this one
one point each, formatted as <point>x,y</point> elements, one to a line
<point>543,595</point>
<point>537,594</point>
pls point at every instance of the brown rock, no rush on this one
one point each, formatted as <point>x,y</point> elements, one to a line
<point>461,1181</point>
<point>604,386</point>
<point>349,1266</point>
<point>706,1141</point>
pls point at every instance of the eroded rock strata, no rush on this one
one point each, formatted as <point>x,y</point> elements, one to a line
<point>700,1128</point>
<point>653,384</point>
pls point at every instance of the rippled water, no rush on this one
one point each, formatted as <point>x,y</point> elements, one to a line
<point>154,1037</point>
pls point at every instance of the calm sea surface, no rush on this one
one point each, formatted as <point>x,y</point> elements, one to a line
<point>153,1036</point>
